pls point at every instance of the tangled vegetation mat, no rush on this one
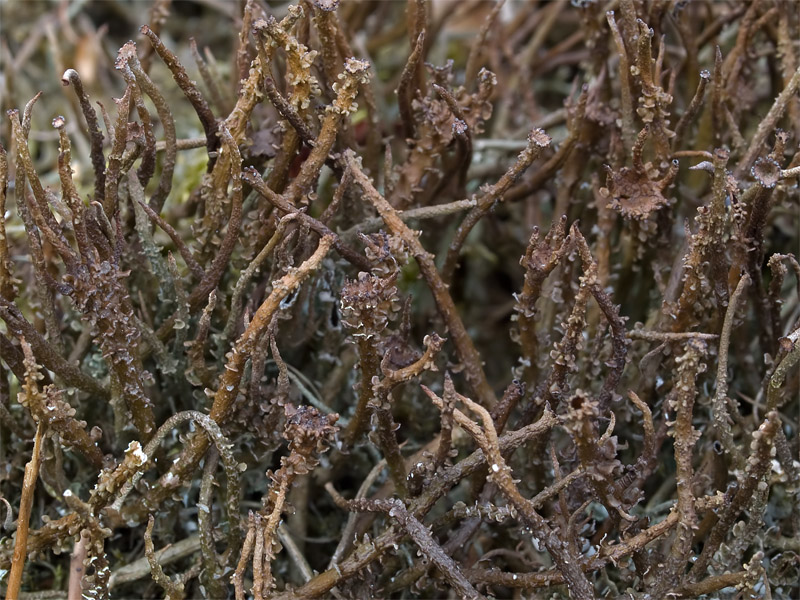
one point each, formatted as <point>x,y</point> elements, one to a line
<point>419,299</point>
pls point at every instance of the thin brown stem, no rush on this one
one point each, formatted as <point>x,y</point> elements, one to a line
<point>23,517</point>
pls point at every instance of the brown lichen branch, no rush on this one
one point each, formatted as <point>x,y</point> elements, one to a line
<point>775,397</point>
<point>611,313</point>
<point>72,77</point>
<point>173,589</point>
<point>762,450</point>
<point>538,140</point>
<point>422,537</point>
<point>722,419</point>
<point>365,554</point>
<point>237,579</point>
<point>461,132</point>
<point>608,554</point>
<point>69,192</point>
<point>564,554</point>
<point>405,90</point>
<point>49,409</point>
<point>19,326</point>
<point>235,364</point>
<point>682,404</point>
<point>183,249</point>
<point>541,257</point>
<point>7,287</point>
<point>691,110</point>
<point>768,124</point>
<point>309,434</point>
<point>479,46</point>
<point>465,348</point>
<point>412,214</point>
<point>252,177</point>
<point>380,402</point>
<point>628,127</point>
<point>665,336</point>
<point>24,514</point>
<point>189,88</point>
<point>355,74</point>
<point>127,56</point>
<point>76,568</point>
